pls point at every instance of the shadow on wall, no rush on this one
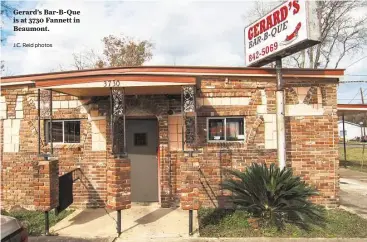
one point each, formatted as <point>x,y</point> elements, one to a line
<point>93,198</point>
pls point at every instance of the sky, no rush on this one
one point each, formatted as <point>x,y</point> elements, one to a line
<point>184,33</point>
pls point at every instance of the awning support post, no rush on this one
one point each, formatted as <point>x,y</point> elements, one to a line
<point>118,121</point>
<point>190,222</point>
<point>47,224</point>
<point>39,120</point>
<point>344,143</point>
<point>44,102</point>
<point>189,116</point>
<point>118,222</point>
<point>281,149</point>
<point>51,137</point>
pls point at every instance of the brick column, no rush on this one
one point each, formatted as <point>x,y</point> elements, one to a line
<point>46,183</point>
<point>189,183</point>
<point>118,183</point>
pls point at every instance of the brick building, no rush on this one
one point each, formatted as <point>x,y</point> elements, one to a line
<point>161,134</point>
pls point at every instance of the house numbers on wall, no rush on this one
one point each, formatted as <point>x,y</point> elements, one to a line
<point>111,83</point>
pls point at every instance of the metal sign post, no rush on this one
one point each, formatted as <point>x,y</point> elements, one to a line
<point>280,114</point>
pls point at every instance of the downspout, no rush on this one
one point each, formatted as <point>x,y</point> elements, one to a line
<point>280,116</point>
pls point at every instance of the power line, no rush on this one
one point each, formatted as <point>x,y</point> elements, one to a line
<point>353,81</point>
<point>356,61</point>
<point>353,98</point>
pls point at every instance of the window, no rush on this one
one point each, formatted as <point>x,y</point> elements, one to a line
<point>140,139</point>
<point>226,129</point>
<point>175,132</point>
<point>63,131</point>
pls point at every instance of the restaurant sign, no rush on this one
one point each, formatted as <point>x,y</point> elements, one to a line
<point>287,29</point>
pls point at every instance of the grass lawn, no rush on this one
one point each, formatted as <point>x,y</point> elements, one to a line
<point>35,220</point>
<point>354,158</point>
<point>229,223</point>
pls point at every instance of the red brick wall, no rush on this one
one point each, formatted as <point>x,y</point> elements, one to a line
<point>311,143</point>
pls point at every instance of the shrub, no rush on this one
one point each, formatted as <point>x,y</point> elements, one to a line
<point>274,195</point>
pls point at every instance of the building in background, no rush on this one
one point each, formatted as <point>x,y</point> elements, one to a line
<point>352,131</point>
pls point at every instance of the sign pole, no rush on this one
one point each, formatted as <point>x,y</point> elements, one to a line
<point>280,114</point>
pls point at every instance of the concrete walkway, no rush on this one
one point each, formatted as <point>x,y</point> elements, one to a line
<point>64,239</point>
<point>139,223</point>
<point>152,223</point>
<point>353,191</point>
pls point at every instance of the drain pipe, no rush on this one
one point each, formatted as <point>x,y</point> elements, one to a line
<point>280,115</point>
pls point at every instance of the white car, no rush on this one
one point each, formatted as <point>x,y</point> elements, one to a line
<point>12,230</point>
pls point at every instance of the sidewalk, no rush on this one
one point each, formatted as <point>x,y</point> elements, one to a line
<point>140,223</point>
<point>353,191</point>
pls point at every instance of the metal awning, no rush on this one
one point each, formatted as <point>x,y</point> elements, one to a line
<point>345,109</point>
<point>351,109</point>
<point>132,84</point>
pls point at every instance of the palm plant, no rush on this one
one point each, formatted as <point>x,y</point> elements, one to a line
<point>274,195</point>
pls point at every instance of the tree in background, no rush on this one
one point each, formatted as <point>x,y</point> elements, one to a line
<point>343,33</point>
<point>85,60</point>
<point>118,51</point>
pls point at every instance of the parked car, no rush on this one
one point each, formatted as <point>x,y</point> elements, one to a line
<point>12,230</point>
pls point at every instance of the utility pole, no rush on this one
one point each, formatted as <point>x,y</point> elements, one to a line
<point>361,95</point>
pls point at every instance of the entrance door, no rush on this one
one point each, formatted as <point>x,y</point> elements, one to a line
<point>142,143</point>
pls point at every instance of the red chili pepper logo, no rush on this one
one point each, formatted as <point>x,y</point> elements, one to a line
<point>294,33</point>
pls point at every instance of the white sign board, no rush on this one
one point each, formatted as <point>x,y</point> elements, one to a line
<point>289,28</point>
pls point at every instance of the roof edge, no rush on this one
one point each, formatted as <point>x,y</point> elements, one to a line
<point>133,68</point>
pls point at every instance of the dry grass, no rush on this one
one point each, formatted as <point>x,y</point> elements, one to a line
<point>355,158</point>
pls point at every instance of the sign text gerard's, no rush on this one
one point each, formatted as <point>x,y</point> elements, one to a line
<point>286,27</point>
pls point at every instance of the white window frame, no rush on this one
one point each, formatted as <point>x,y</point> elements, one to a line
<point>225,130</point>
<point>63,129</point>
